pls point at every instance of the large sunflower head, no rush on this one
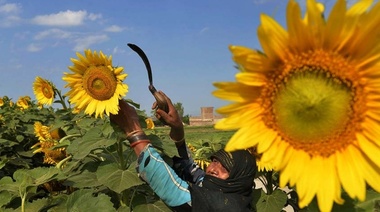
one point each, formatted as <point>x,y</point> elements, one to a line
<point>309,101</point>
<point>1,102</point>
<point>262,166</point>
<point>44,91</point>
<point>95,85</point>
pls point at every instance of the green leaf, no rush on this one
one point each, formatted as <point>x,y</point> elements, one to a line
<point>7,143</point>
<point>5,198</point>
<point>37,176</point>
<point>37,205</point>
<point>123,208</point>
<point>7,184</point>
<point>372,202</point>
<point>84,179</point>
<point>107,130</point>
<point>90,141</point>
<point>3,161</point>
<point>85,200</point>
<point>86,122</point>
<point>158,206</point>
<point>145,203</point>
<point>19,138</point>
<point>116,179</point>
<point>273,202</point>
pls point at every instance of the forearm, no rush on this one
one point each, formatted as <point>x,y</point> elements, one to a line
<point>162,178</point>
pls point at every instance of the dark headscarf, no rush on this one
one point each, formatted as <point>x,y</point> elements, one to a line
<point>231,194</point>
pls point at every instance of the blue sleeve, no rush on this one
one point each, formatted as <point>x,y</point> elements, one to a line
<point>162,178</point>
<point>188,170</point>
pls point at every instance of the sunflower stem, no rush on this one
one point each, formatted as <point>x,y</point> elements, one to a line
<point>132,196</point>
<point>60,164</point>
<point>268,176</point>
<point>23,199</point>
<point>62,99</point>
<point>69,136</point>
<point>120,153</point>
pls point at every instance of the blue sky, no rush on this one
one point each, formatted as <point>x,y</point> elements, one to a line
<point>186,42</point>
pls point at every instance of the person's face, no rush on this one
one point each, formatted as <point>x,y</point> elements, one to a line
<point>217,170</point>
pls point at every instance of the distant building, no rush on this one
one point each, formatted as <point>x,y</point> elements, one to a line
<point>207,117</point>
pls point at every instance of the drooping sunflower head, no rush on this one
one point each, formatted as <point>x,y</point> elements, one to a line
<point>48,138</point>
<point>95,85</point>
<point>44,91</point>
<point>309,101</point>
<point>23,102</point>
<point>42,132</point>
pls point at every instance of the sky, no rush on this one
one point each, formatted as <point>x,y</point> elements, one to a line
<point>186,42</point>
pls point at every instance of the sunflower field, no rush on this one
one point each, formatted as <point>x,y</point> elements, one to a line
<point>305,105</point>
<point>58,159</point>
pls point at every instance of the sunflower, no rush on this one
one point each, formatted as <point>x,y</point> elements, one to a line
<point>44,91</point>
<point>149,123</point>
<point>309,102</point>
<point>262,166</point>
<point>41,131</point>
<point>23,102</point>
<point>76,110</point>
<point>202,163</point>
<point>48,138</point>
<point>96,86</point>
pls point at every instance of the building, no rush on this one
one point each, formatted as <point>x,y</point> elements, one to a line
<point>207,117</point>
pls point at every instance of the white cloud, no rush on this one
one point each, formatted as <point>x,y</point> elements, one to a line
<point>10,21</point>
<point>9,15</point>
<point>116,50</point>
<point>53,33</point>
<point>66,18</point>
<point>33,47</point>
<point>113,28</point>
<point>10,8</point>
<point>94,17</point>
<point>85,42</point>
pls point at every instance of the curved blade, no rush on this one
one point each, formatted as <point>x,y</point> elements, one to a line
<point>161,101</point>
<point>143,56</point>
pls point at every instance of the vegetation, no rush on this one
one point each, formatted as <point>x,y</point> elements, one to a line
<point>91,168</point>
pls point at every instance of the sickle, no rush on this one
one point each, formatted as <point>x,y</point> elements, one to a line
<point>161,101</point>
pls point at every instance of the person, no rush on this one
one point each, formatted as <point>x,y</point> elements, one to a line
<point>225,185</point>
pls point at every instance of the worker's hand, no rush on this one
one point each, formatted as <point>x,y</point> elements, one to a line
<point>171,118</point>
<point>127,118</point>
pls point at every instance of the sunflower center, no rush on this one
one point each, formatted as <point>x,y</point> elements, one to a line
<point>311,107</point>
<point>314,104</point>
<point>99,82</point>
<point>47,91</point>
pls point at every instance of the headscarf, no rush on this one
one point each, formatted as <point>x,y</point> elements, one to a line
<point>231,194</point>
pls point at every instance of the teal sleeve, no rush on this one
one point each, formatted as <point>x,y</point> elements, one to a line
<point>162,178</point>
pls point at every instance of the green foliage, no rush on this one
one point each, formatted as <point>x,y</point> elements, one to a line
<point>179,107</point>
<point>271,202</point>
<point>99,172</point>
